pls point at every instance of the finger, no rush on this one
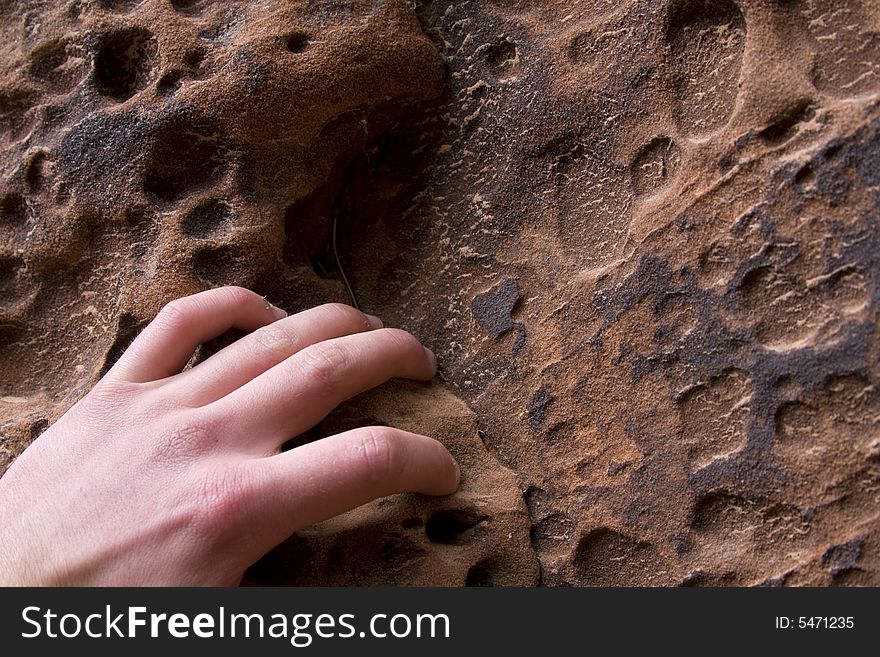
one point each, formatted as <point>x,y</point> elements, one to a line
<point>325,478</point>
<point>169,341</point>
<point>261,350</point>
<point>299,392</point>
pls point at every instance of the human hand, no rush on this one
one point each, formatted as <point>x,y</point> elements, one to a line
<point>166,476</point>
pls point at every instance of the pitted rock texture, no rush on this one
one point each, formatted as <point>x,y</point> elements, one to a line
<point>641,236</point>
<point>477,537</point>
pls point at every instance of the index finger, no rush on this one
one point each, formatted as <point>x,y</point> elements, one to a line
<point>169,341</point>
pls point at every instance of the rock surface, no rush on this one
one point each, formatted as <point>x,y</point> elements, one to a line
<point>641,236</point>
<point>477,537</point>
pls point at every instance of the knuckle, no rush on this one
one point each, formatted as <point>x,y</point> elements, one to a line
<point>110,390</point>
<point>404,341</point>
<point>179,312</point>
<point>350,317</point>
<point>324,364</point>
<point>236,296</point>
<point>183,439</point>
<point>220,498</point>
<point>378,451</point>
<point>278,339</point>
<point>106,398</point>
<point>175,313</point>
<point>337,307</point>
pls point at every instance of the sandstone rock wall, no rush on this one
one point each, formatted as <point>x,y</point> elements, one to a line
<point>641,236</point>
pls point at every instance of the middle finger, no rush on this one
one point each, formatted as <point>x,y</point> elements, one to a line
<point>299,392</point>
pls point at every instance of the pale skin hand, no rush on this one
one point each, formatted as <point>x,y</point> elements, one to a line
<point>168,476</point>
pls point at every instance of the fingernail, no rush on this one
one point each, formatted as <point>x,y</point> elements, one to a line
<point>277,312</point>
<point>457,468</point>
<point>431,357</point>
<point>374,321</point>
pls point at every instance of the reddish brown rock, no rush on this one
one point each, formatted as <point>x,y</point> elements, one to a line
<point>642,238</point>
<point>477,537</point>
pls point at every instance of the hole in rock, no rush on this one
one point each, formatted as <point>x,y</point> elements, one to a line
<point>309,222</point>
<point>377,168</point>
<point>832,151</point>
<point>297,42</point>
<point>220,266</point>
<point>169,82</point>
<point>605,557</point>
<point>805,177</point>
<point>478,575</point>
<point>142,225</point>
<point>14,106</point>
<point>13,209</point>
<point>186,6</point>
<point>124,62</point>
<point>501,57</point>
<point>551,531</point>
<point>208,219</point>
<point>194,58</point>
<point>784,127</point>
<point>452,527</point>
<point>9,266</point>
<point>706,40</point>
<point>34,172</point>
<point>186,155</point>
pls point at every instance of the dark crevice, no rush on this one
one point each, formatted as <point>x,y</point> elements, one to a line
<point>187,7</point>
<point>479,576</point>
<point>127,329</point>
<point>13,209</point>
<point>297,42</point>
<point>124,62</point>
<point>784,127</point>
<point>209,219</point>
<point>452,527</point>
<point>34,173</point>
